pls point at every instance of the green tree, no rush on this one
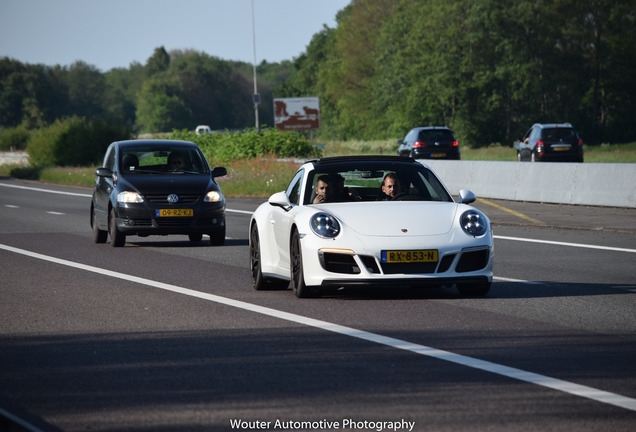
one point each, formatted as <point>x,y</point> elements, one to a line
<point>13,90</point>
<point>213,90</point>
<point>350,81</point>
<point>29,94</point>
<point>122,87</point>
<point>86,90</point>
<point>161,107</point>
<point>157,63</point>
<point>309,75</point>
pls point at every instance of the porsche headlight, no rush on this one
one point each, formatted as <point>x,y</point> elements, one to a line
<point>324,225</point>
<point>473,223</point>
<point>212,196</point>
<point>129,197</point>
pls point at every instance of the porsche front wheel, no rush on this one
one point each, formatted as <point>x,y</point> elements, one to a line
<point>301,290</point>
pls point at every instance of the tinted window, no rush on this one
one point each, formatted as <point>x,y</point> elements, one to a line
<point>432,136</point>
<point>557,134</point>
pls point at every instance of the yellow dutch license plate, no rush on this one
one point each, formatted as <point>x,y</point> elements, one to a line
<point>438,154</point>
<point>409,256</point>
<point>175,212</point>
<point>561,148</point>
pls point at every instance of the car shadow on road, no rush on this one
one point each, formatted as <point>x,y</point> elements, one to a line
<point>499,290</point>
<point>391,293</point>
<point>185,243</point>
<point>547,289</point>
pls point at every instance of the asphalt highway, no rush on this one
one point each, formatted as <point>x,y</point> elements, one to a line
<point>166,335</point>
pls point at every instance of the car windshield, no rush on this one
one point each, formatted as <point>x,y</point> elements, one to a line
<point>165,160</point>
<point>355,182</point>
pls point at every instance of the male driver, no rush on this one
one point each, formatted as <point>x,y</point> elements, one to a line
<point>325,189</point>
<point>176,161</point>
<point>390,186</point>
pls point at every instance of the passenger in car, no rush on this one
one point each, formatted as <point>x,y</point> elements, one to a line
<point>390,187</point>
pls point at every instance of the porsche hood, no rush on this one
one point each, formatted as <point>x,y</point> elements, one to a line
<point>411,218</point>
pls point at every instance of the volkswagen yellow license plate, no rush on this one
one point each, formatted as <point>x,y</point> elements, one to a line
<point>409,256</point>
<point>561,148</point>
<point>175,212</point>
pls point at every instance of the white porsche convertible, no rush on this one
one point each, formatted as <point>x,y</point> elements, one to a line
<point>369,221</point>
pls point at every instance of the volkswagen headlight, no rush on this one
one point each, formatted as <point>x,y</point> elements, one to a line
<point>212,196</point>
<point>129,197</point>
<point>324,225</point>
<point>473,223</point>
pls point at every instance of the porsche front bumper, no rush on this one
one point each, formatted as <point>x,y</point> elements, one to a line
<point>327,264</point>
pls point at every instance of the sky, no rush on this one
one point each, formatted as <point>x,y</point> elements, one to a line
<point>111,34</point>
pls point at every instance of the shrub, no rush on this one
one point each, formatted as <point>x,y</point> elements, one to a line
<point>73,141</point>
<point>12,139</point>
<point>249,144</point>
<point>26,173</point>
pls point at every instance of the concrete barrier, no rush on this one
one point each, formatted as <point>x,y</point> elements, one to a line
<point>598,184</point>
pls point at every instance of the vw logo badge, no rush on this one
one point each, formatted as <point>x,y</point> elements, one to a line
<point>173,198</point>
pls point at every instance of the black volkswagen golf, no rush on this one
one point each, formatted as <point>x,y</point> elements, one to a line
<point>157,187</point>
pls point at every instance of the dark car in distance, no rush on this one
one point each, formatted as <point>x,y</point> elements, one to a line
<point>157,187</point>
<point>556,142</point>
<point>434,142</point>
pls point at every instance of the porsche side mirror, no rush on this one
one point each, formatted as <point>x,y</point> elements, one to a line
<point>466,196</point>
<point>279,199</point>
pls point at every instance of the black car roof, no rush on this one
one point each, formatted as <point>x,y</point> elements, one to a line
<point>554,125</point>
<point>362,158</point>
<point>157,142</point>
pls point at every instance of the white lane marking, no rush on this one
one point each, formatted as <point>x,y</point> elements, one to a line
<point>27,426</point>
<point>510,372</point>
<point>45,190</point>
<point>239,211</point>
<point>55,213</point>
<point>11,206</point>
<point>580,245</point>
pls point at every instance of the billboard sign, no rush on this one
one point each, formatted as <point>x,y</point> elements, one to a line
<point>297,113</point>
